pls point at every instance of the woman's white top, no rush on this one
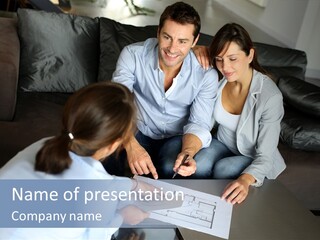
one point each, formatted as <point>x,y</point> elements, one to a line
<point>228,124</point>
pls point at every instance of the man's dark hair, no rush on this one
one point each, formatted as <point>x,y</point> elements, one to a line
<point>181,13</point>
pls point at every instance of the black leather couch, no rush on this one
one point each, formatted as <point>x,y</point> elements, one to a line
<point>44,57</point>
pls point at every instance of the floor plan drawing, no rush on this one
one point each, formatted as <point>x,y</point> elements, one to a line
<point>197,210</point>
<point>194,210</point>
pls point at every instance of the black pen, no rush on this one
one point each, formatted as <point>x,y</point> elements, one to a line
<point>185,158</point>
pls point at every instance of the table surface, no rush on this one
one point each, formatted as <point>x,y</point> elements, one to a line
<point>270,212</point>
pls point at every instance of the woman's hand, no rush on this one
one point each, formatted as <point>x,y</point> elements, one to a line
<point>237,191</point>
<point>202,54</point>
<point>133,215</point>
<point>139,185</point>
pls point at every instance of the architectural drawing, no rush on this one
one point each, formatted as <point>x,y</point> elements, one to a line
<point>195,210</point>
<point>198,211</point>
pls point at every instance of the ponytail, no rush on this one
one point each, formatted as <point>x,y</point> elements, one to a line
<point>54,157</point>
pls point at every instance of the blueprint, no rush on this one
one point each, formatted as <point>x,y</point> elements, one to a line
<point>198,211</point>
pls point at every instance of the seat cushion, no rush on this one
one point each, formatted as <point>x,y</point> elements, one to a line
<point>299,130</point>
<point>300,127</point>
<point>59,52</point>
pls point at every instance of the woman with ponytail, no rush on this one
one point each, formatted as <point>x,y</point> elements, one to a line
<point>97,120</point>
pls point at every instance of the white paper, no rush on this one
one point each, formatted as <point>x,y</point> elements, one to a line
<point>200,211</point>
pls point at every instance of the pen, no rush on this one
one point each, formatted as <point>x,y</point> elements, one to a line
<point>185,158</point>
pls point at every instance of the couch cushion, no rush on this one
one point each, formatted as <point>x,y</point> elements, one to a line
<point>300,131</point>
<point>37,115</point>
<point>59,52</point>
<point>114,36</point>
<point>301,95</point>
<point>300,127</point>
<point>280,61</point>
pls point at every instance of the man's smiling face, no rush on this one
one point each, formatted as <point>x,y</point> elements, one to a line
<point>175,42</point>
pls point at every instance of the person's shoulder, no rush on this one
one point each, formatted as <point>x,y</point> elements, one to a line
<point>267,85</point>
<point>212,72</point>
<point>195,64</point>
<point>22,165</point>
<point>32,149</point>
<point>270,85</point>
<point>140,50</point>
<point>148,44</point>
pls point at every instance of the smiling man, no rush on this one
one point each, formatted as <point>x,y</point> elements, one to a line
<point>175,98</point>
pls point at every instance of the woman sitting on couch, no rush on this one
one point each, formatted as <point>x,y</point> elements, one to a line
<point>248,110</point>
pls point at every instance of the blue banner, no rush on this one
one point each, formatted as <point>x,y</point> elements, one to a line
<point>75,203</point>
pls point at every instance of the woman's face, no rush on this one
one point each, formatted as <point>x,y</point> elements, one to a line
<point>233,63</point>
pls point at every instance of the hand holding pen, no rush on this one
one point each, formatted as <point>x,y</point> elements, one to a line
<point>186,167</point>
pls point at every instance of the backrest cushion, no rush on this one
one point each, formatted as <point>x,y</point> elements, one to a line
<point>114,36</point>
<point>280,61</point>
<point>59,52</point>
<point>301,95</point>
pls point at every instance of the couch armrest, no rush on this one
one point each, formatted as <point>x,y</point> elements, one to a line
<point>9,67</point>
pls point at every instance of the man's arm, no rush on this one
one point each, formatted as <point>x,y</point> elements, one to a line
<point>197,132</point>
<point>191,144</point>
<point>138,159</point>
<point>124,72</point>
<point>200,120</point>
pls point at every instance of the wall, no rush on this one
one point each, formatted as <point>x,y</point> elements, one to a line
<point>294,23</point>
<point>309,38</point>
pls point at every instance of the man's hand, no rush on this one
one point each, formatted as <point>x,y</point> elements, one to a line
<point>202,55</point>
<point>191,144</point>
<point>139,159</point>
<point>237,190</point>
<point>188,168</point>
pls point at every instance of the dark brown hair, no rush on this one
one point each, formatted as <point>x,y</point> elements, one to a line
<point>233,32</point>
<point>96,116</point>
<point>181,13</point>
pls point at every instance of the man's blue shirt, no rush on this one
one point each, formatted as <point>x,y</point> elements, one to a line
<point>186,107</point>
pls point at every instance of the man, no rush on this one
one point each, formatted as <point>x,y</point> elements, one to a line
<point>174,95</point>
